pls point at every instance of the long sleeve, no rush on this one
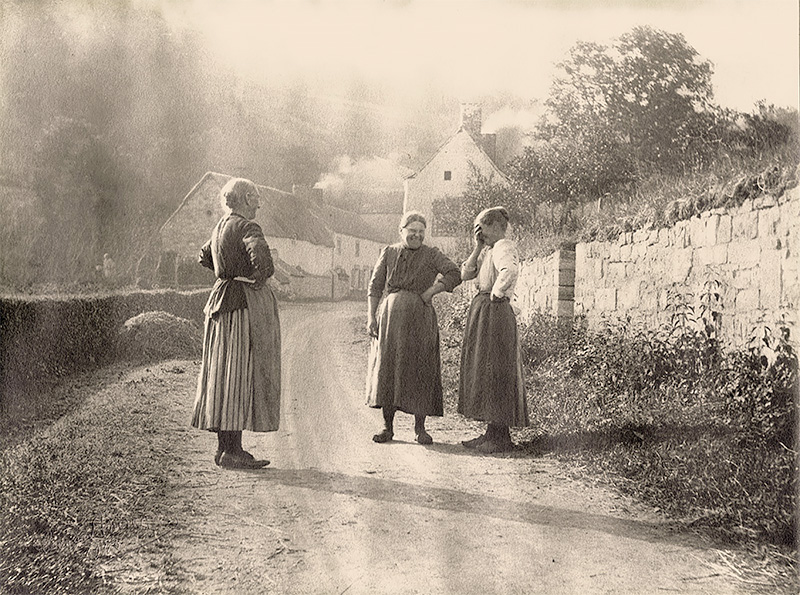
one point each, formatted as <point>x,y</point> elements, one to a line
<point>504,257</point>
<point>259,252</point>
<point>471,271</point>
<point>451,275</point>
<point>377,281</point>
<point>205,258</point>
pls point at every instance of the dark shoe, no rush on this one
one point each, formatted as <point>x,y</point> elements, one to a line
<point>475,442</point>
<point>384,436</point>
<point>424,438</point>
<point>233,461</point>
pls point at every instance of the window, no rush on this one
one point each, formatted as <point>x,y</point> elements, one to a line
<point>358,248</point>
<point>448,175</point>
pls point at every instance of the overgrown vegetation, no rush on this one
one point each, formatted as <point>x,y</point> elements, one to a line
<point>704,432</point>
<point>631,138</point>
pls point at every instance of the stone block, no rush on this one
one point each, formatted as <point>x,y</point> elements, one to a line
<point>598,268</point>
<point>638,251</point>
<point>648,299</point>
<point>615,271</point>
<point>628,296</point>
<point>605,299</point>
<point>724,229</point>
<point>564,309</point>
<point>769,279</point>
<point>696,232</point>
<point>640,235</point>
<point>582,251</point>
<point>680,265</point>
<point>566,276</point>
<point>614,252</point>
<point>625,252</point>
<point>765,201</point>
<point>744,278</point>
<point>745,226</point>
<point>747,299</point>
<point>680,235</point>
<point>565,292</point>
<point>768,223</point>
<point>719,254</point>
<point>664,236</point>
<point>744,254</point>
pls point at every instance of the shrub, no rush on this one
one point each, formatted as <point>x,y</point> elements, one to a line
<point>759,387</point>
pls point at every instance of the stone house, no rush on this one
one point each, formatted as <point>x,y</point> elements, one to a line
<point>446,175</point>
<point>320,252</point>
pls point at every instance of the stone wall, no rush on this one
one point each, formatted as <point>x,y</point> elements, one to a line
<point>547,285</point>
<point>750,251</point>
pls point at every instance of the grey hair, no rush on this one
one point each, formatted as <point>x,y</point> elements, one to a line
<point>235,192</point>
<point>412,216</point>
<point>493,214</point>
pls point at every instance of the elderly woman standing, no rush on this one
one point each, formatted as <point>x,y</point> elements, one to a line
<point>491,386</point>
<point>404,365</point>
<point>239,385</point>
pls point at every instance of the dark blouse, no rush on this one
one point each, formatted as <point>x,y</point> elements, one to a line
<point>400,268</point>
<point>237,248</point>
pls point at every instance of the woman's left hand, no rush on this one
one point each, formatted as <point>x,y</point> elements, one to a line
<point>427,296</point>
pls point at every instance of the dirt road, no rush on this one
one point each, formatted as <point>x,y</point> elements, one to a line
<point>336,513</point>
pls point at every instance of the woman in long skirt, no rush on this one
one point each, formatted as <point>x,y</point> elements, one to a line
<point>404,371</point>
<point>491,386</point>
<point>239,386</point>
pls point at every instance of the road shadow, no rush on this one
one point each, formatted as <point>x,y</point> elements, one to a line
<point>386,490</point>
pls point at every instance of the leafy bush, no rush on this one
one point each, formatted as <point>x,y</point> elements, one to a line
<point>759,387</point>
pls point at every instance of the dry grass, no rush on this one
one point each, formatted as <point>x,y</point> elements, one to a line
<point>83,492</point>
<point>154,336</point>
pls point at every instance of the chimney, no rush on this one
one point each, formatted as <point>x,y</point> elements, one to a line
<point>471,119</point>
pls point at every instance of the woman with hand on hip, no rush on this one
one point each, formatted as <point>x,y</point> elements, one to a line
<point>239,386</point>
<point>404,370</point>
<point>491,386</point>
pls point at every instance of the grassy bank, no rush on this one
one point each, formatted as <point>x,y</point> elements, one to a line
<point>81,492</point>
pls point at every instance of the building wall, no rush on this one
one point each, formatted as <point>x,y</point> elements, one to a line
<point>357,257</point>
<point>312,258</point>
<point>751,251</point>
<point>429,184</point>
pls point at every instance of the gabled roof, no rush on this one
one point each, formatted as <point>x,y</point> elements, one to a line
<point>461,131</point>
<point>347,223</point>
<point>286,215</point>
<point>282,215</point>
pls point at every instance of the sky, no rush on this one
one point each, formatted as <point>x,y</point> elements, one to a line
<point>472,48</point>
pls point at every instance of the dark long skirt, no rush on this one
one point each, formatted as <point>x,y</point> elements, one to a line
<point>491,386</point>
<point>239,386</point>
<point>404,363</point>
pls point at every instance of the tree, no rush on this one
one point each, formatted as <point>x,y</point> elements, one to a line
<point>649,90</point>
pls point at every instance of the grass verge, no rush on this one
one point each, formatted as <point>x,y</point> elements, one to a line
<point>84,488</point>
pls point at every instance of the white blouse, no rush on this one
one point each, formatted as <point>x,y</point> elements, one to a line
<point>497,269</point>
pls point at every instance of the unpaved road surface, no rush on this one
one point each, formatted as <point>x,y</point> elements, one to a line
<point>336,513</point>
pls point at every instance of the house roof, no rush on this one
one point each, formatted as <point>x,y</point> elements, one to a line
<point>461,131</point>
<point>286,215</point>
<point>347,223</point>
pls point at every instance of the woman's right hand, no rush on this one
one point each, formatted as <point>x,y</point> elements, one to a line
<point>478,235</point>
<point>372,327</point>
